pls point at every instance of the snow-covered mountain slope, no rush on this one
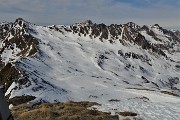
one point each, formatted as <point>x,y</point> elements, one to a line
<point>122,67</point>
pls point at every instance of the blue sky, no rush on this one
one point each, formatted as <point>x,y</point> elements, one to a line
<point>45,12</point>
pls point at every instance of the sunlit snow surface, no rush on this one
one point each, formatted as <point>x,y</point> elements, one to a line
<point>69,64</point>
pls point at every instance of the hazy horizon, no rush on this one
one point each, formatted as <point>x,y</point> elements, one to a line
<point>142,12</point>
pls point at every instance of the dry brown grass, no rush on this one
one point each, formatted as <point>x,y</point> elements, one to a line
<point>60,111</point>
<point>126,113</point>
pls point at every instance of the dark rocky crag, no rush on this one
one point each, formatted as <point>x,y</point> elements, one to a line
<point>15,36</point>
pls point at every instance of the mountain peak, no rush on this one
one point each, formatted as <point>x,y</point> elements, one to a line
<point>87,23</point>
<point>19,19</point>
<point>157,26</point>
<point>21,22</point>
<point>132,25</point>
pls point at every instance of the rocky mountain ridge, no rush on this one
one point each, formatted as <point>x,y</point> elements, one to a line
<point>59,63</point>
